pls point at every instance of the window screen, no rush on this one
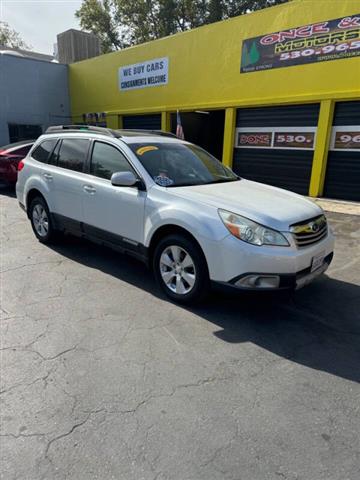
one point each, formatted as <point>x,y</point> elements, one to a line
<point>42,152</point>
<point>107,160</point>
<point>73,153</point>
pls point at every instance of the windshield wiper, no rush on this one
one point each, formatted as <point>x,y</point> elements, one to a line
<point>219,180</point>
<point>183,185</point>
<point>222,180</point>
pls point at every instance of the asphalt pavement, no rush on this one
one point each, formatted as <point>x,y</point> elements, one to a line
<point>103,378</point>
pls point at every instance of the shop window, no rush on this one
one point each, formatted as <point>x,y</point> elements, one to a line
<point>18,132</point>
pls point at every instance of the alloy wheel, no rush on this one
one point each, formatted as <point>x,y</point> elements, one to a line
<point>177,270</point>
<point>40,220</point>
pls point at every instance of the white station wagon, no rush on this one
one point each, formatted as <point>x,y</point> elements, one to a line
<point>174,206</point>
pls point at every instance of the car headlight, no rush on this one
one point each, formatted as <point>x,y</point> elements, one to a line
<point>250,231</point>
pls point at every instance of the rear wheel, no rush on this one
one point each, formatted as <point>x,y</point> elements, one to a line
<point>180,269</point>
<point>41,220</point>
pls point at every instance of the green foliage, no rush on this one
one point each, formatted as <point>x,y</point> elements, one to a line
<point>216,11</point>
<point>100,17</point>
<point>11,38</point>
<point>121,23</point>
<point>239,7</point>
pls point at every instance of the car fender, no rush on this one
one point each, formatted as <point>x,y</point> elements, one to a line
<point>36,182</point>
<point>205,225</point>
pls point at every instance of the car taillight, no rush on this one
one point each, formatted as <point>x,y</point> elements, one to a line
<point>21,165</point>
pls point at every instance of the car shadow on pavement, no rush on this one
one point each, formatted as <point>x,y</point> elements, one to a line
<point>318,326</point>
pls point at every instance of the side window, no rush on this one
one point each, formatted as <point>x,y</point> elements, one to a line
<point>73,153</point>
<point>107,160</point>
<point>42,152</point>
<point>54,157</point>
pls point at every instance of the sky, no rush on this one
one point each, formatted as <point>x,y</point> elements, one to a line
<point>39,21</point>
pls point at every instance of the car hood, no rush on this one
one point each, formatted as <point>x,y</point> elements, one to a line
<point>270,206</point>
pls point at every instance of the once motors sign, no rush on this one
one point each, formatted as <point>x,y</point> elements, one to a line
<point>318,42</point>
<point>151,73</point>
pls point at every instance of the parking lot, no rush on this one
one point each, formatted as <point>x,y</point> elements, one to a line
<point>103,378</point>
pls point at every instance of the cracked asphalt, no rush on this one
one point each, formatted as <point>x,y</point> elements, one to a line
<point>102,378</point>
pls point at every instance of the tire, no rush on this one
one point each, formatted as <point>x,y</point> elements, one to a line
<point>40,219</point>
<point>180,269</point>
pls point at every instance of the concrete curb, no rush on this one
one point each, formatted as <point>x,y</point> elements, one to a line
<point>338,206</point>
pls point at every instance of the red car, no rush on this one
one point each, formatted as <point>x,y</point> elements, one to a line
<point>10,156</point>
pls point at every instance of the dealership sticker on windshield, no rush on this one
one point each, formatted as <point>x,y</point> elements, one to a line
<point>147,148</point>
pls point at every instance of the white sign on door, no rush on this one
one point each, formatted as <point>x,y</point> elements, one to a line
<point>146,74</point>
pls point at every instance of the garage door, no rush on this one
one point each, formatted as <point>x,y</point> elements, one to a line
<point>342,178</point>
<point>275,145</point>
<point>142,122</point>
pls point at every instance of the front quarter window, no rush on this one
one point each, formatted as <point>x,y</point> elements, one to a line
<point>178,164</point>
<point>106,160</point>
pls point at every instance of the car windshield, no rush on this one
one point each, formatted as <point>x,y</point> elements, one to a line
<point>178,164</point>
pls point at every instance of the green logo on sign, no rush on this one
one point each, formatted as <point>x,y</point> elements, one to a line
<point>250,56</point>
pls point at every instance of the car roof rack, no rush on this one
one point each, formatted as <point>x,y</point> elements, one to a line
<point>82,128</point>
<point>105,131</point>
<point>161,133</point>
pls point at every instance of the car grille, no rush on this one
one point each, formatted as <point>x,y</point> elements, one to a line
<point>310,231</point>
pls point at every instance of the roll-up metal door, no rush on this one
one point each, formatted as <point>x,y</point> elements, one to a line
<point>275,145</point>
<point>142,122</point>
<point>342,178</point>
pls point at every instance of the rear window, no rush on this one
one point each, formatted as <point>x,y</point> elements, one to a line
<point>42,151</point>
<point>72,154</point>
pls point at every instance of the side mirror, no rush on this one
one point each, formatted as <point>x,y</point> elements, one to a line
<point>123,179</point>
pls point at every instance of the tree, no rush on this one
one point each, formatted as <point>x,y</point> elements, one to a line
<point>239,7</point>
<point>100,18</point>
<point>11,38</point>
<point>216,11</point>
<point>121,23</point>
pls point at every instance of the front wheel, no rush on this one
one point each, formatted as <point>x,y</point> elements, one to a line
<point>180,269</point>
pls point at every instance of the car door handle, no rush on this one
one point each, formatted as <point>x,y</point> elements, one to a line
<point>89,189</point>
<point>47,176</point>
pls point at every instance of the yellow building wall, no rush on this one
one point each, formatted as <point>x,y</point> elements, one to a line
<point>204,73</point>
<point>204,67</point>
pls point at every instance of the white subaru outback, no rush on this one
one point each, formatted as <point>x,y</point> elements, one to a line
<point>174,206</point>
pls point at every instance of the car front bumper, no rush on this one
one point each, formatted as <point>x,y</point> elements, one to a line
<point>238,264</point>
<point>281,281</point>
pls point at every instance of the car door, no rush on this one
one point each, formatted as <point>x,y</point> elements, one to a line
<point>41,154</point>
<point>64,174</point>
<point>113,213</point>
